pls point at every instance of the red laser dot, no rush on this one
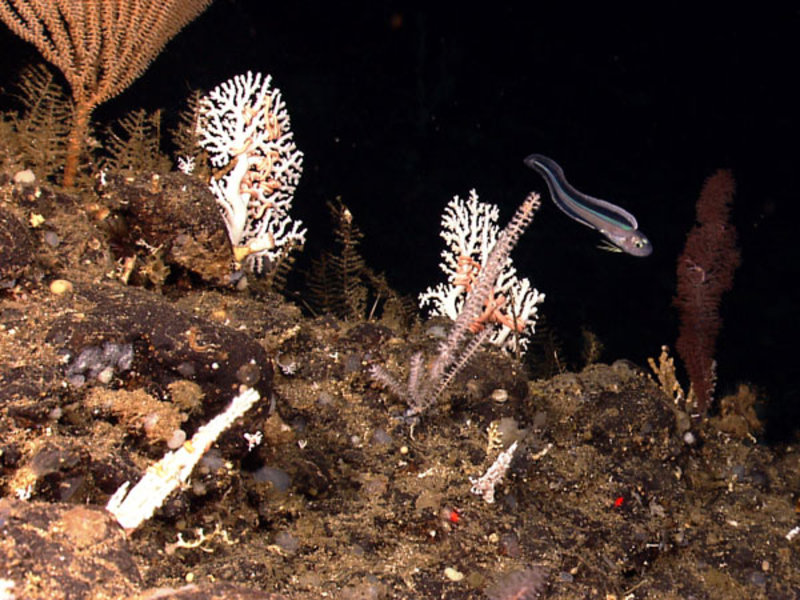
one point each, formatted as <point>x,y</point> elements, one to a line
<point>454,517</point>
<point>618,502</point>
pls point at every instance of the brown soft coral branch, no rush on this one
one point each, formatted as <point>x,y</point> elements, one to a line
<point>705,272</point>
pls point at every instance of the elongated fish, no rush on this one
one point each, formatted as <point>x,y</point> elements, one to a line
<point>617,225</point>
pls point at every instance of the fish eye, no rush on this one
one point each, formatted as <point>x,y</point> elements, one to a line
<point>638,243</point>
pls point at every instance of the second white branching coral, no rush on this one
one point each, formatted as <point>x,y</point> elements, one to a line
<point>244,126</point>
<point>469,227</point>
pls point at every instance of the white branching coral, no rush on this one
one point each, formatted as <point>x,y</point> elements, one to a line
<point>484,485</point>
<point>244,126</point>
<point>186,164</point>
<point>470,230</point>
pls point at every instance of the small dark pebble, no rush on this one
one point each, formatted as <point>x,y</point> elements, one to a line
<point>758,578</point>
<point>248,374</point>
<point>52,239</point>
<point>279,478</point>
